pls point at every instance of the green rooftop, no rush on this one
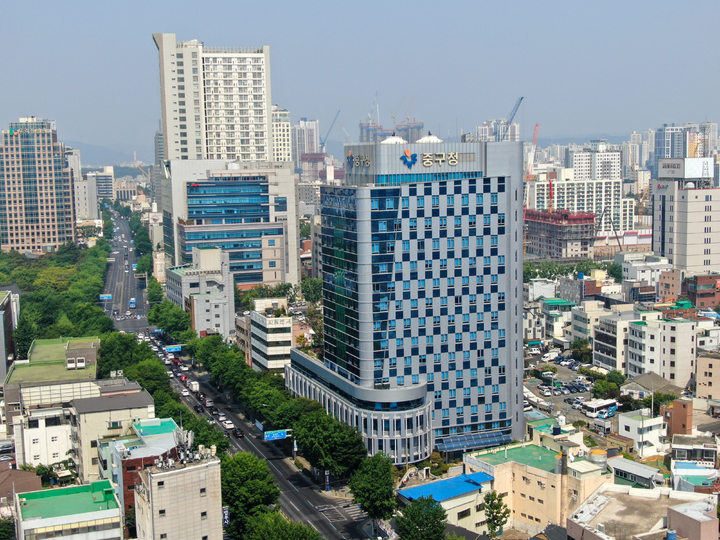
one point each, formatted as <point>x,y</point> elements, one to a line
<point>531,455</point>
<point>47,362</point>
<point>52,503</point>
<point>558,302</point>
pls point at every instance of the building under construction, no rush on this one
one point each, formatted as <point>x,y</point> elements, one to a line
<point>560,235</point>
<point>375,133</point>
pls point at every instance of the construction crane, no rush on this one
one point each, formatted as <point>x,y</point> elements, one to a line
<point>347,135</point>
<point>322,142</point>
<point>137,165</point>
<point>598,224</point>
<point>509,119</point>
<point>397,111</point>
<point>531,155</point>
<point>550,195</point>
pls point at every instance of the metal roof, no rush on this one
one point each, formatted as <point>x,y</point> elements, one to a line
<point>633,467</point>
<point>474,441</point>
<point>115,402</point>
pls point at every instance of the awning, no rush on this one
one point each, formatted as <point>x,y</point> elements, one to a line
<point>472,442</point>
<point>535,342</point>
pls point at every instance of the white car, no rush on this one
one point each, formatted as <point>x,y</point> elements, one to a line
<point>167,362</point>
<point>227,424</point>
<point>222,417</point>
<point>184,368</point>
<point>185,392</point>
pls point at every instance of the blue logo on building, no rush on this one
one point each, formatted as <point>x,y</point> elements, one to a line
<point>350,160</point>
<point>409,159</point>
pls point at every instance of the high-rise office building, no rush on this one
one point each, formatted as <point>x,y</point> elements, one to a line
<point>669,143</point>
<point>305,139</point>
<point>86,198</point>
<point>282,149</point>
<point>684,201</point>
<point>215,100</point>
<point>421,261</point>
<point>37,205</point>
<point>247,209</point>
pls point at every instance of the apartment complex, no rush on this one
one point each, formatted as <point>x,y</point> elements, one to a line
<point>421,261</point>
<point>86,197</point>
<point>305,139</point>
<point>37,204</point>
<point>561,234</point>
<point>683,227</point>
<point>282,147</point>
<point>246,209</point>
<point>216,101</point>
<point>598,162</point>
<point>180,498</point>
<point>206,290</point>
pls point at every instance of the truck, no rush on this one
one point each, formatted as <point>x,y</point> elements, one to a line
<point>194,386</point>
<point>550,356</point>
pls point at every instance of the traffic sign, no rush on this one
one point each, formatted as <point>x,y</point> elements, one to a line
<point>173,348</point>
<point>276,435</point>
<point>106,297</point>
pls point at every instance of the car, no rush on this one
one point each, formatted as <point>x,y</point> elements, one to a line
<point>199,408</point>
<point>170,374</point>
<point>226,434</point>
<point>214,410</point>
<point>238,433</point>
<point>183,378</point>
<point>565,391</point>
<point>546,393</point>
<point>154,348</point>
<point>222,417</point>
<point>569,400</point>
<point>7,458</point>
<point>534,351</point>
<point>127,313</point>
<point>184,368</point>
<point>227,424</point>
<point>573,389</point>
<point>557,392</point>
<point>185,392</point>
<point>7,448</point>
<point>577,406</point>
<point>201,396</point>
<point>209,403</point>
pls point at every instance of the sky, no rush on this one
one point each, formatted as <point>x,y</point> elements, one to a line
<point>586,69</point>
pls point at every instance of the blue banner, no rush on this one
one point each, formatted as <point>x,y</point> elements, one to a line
<point>106,297</point>
<point>226,516</point>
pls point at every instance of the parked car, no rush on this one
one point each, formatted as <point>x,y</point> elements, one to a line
<point>577,405</point>
<point>546,393</point>
<point>213,410</point>
<point>569,400</point>
<point>565,391</point>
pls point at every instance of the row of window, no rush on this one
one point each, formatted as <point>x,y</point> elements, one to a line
<point>389,203</point>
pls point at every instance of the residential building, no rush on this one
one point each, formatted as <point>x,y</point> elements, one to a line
<point>643,267</point>
<point>585,319</point>
<point>205,289</point>
<point>586,287</point>
<point>678,417</point>
<point>309,197</point>
<point>37,205</point>
<point>707,377</point>
<point>180,498</point>
<point>282,147</point>
<point>533,323</point>
<point>87,512</point>
<point>642,386</point>
<point>305,139</point>
<point>122,459</point>
<point>14,481</point>
<point>638,292</point>
<point>246,209</point>
<point>9,317</point>
<point>682,202</point>
<point>631,473</point>
<point>558,314</point>
<point>109,415</point>
<point>611,337</point>
<point>697,448</point>
<point>216,101</point>
<point>561,234</point>
<point>615,512</point>
<point>669,142</point>
<point>538,288</point>
<point>271,336</point>
<point>461,497</point>
<point>86,197</point>
<point>669,285</point>
<point>541,484</point>
<point>664,346</point>
<point>595,162</point>
<point>428,271</point>
<point>703,291</point>
<point>646,430</point>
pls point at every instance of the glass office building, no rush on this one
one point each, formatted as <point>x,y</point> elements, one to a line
<point>421,261</point>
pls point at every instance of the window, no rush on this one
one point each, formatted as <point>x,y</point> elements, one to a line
<point>162,513</point>
<point>203,515</point>
<point>463,514</point>
<point>203,492</point>
<point>161,485</point>
<point>36,441</point>
<point>163,535</point>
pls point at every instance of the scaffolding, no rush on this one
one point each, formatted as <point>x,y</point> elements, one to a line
<point>561,234</point>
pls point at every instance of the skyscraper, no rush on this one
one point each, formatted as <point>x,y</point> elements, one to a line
<point>281,134</point>
<point>669,143</point>
<point>305,139</point>
<point>421,261</point>
<point>37,206</point>
<point>215,100</point>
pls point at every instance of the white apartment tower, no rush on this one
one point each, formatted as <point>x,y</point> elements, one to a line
<point>305,139</point>
<point>282,149</point>
<point>215,100</point>
<point>596,163</point>
<point>685,204</point>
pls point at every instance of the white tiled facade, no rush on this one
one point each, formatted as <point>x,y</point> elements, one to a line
<point>282,149</point>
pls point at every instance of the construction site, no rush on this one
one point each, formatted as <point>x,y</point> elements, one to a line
<point>560,235</point>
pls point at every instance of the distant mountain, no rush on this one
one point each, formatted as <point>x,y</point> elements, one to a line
<point>97,156</point>
<point>582,139</point>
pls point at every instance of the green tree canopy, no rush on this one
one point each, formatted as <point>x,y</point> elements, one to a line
<point>605,389</point>
<point>312,289</point>
<point>143,245</point>
<point>23,337</point>
<point>151,374</point>
<point>121,351</point>
<point>154,292</point>
<point>615,377</point>
<point>422,519</point>
<point>145,265</point>
<point>496,513</point>
<point>317,323</point>
<point>248,489</point>
<point>372,487</point>
<point>272,525</point>
<point>169,317</point>
<point>305,231</point>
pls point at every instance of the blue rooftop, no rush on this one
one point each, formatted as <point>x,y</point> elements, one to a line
<point>443,490</point>
<point>690,465</point>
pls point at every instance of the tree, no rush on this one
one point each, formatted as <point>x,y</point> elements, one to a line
<point>579,424</point>
<point>143,245</point>
<point>120,351</point>
<point>305,231</point>
<point>23,337</point>
<point>605,389</point>
<point>372,487</point>
<point>170,317</point>
<point>154,291</point>
<point>151,374</point>
<point>7,528</point>
<point>301,341</point>
<point>312,289</point>
<point>247,488</point>
<point>274,525</point>
<point>422,519</point>
<point>315,318</point>
<point>614,270</point>
<point>496,512</point>
<point>145,265</point>
<point>615,377</point>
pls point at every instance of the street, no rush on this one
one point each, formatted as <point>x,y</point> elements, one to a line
<point>332,517</point>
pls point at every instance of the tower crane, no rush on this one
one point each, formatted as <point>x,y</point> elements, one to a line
<point>322,142</point>
<point>531,155</point>
<point>509,119</point>
<point>395,113</point>
<point>137,165</point>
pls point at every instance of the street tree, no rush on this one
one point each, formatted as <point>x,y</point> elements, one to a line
<point>274,525</point>
<point>422,519</point>
<point>372,487</point>
<point>154,292</point>
<point>170,317</point>
<point>615,377</point>
<point>7,528</point>
<point>23,337</point>
<point>145,265</point>
<point>150,374</point>
<point>312,289</point>
<point>315,318</point>
<point>120,351</point>
<point>496,513</point>
<point>305,231</point>
<point>247,488</point>
<point>605,389</point>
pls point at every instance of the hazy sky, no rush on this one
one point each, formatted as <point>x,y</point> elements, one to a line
<point>585,68</point>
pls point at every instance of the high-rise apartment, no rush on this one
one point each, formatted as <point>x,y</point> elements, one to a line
<point>215,100</point>
<point>305,139</point>
<point>598,162</point>
<point>86,197</point>
<point>37,206</point>
<point>684,202</point>
<point>421,261</point>
<point>282,150</point>
<point>669,143</point>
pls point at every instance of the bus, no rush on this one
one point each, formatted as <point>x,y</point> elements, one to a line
<point>133,304</point>
<point>593,407</point>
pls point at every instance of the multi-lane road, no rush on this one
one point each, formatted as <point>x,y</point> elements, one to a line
<point>300,500</point>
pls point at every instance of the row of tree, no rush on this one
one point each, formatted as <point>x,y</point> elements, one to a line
<point>548,269</point>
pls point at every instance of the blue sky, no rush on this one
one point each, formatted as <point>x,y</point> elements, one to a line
<point>585,68</point>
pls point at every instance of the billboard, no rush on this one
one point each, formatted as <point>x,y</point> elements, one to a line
<point>275,435</point>
<point>685,168</point>
<point>173,348</point>
<point>106,297</point>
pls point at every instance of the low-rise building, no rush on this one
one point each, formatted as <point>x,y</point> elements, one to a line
<point>645,385</point>
<point>585,318</point>
<point>678,417</point>
<point>707,377</point>
<point>180,498</point>
<point>628,472</point>
<point>616,512</point>
<point>639,266</point>
<point>696,448</point>
<point>557,313</point>
<point>206,290</point>
<point>670,285</point>
<point>539,288</point>
<point>646,431</point>
<point>663,346</point>
<point>703,290</point>
<point>271,335</point>
<point>533,324</point>
<point>461,497</point>
<point>87,512</point>
<point>611,337</point>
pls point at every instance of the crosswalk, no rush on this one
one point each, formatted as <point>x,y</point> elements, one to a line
<point>342,512</point>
